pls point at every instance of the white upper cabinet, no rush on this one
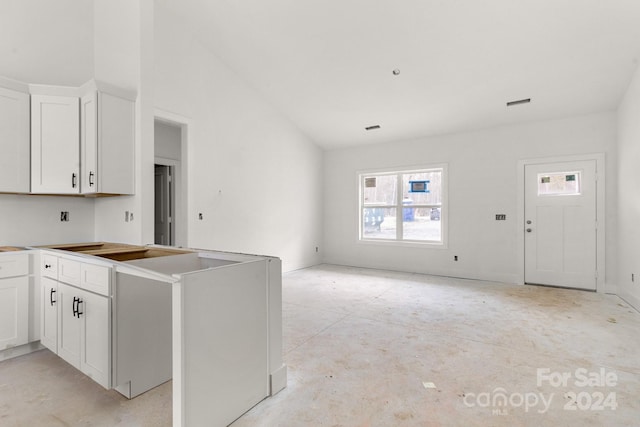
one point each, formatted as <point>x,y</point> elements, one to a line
<point>14,138</point>
<point>89,143</point>
<point>82,140</point>
<point>107,140</point>
<point>55,144</point>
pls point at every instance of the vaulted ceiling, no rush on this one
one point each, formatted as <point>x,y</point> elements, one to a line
<point>328,65</point>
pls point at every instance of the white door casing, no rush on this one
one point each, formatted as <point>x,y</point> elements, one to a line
<point>560,229</point>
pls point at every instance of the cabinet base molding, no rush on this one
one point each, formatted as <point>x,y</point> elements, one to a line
<point>278,380</point>
<point>21,350</point>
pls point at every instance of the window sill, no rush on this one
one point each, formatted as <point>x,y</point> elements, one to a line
<point>408,244</point>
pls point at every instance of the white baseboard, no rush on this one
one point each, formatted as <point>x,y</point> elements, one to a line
<point>12,352</point>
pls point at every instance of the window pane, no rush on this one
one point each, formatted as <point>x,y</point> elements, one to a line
<point>559,184</point>
<point>421,224</point>
<point>380,190</point>
<point>413,194</point>
<point>379,223</point>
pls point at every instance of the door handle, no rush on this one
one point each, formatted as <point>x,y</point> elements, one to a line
<point>91,179</point>
<point>51,300</point>
<point>73,180</point>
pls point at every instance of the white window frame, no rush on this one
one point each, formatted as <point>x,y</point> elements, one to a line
<point>399,241</point>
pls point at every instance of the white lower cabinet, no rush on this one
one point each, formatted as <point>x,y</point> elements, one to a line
<point>14,312</point>
<point>14,300</point>
<point>95,338</point>
<point>49,314</point>
<point>76,322</point>
<point>69,302</point>
<point>83,325</point>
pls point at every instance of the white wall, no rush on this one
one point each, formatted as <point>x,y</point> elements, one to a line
<point>167,141</point>
<point>629,193</point>
<point>255,178</point>
<point>47,42</point>
<point>482,183</point>
<point>123,40</point>
<point>35,220</point>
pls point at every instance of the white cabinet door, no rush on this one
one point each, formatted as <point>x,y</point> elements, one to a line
<point>84,333</point>
<point>55,144</point>
<point>107,143</point>
<point>69,302</point>
<point>89,143</point>
<point>116,148</point>
<point>14,311</point>
<point>95,350</point>
<point>49,315</point>
<point>14,141</point>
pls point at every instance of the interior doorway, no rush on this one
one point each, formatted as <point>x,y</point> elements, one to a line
<point>163,183</point>
<point>560,229</point>
<point>170,182</point>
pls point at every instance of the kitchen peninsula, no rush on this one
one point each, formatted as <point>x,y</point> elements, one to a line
<point>132,317</point>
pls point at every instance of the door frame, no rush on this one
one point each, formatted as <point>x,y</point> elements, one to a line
<point>600,211</point>
<point>181,174</point>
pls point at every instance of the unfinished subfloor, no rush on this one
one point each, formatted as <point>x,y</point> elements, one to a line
<point>378,348</point>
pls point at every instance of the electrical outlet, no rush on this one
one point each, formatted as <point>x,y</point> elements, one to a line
<point>200,216</point>
<point>64,216</point>
<point>501,217</point>
<point>455,257</point>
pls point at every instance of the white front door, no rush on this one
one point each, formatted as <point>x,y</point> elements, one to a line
<point>560,224</point>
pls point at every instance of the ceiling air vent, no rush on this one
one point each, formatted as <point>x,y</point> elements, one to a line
<point>374,127</point>
<point>518,102</point>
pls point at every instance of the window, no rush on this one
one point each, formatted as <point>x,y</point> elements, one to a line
<point>403,206</point>
<point>559,184</point>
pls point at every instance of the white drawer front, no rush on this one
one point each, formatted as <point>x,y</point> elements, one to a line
<point>95,278</point>
<point>49,266</point>
<point>69,271</point>
<point>14,265</point>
